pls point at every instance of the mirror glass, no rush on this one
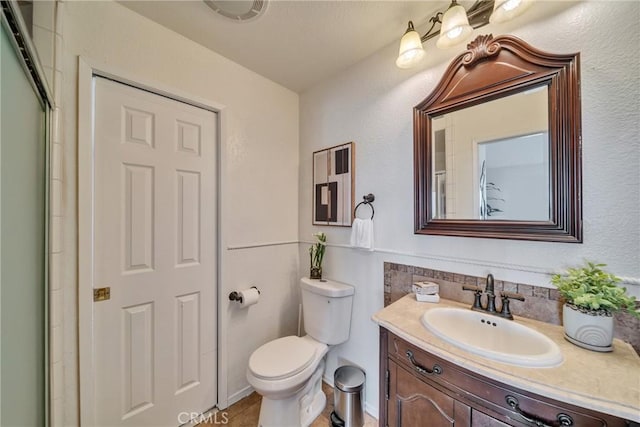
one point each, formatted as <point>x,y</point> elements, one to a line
<point>490,161</point>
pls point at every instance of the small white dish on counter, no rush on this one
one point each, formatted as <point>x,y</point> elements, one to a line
<point>428,298</point>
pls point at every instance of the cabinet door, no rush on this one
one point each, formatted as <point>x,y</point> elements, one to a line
<point>413,402</point>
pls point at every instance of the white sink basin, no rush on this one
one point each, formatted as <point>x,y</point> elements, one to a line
<point>492,337</point>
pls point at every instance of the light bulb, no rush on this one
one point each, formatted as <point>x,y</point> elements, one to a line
<point>504,10</point>
<point>454,32</point>
<point>509,5</point>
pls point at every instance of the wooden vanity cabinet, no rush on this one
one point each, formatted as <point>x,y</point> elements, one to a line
<point>418,389</point>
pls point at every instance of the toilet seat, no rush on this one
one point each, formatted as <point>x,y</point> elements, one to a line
<point>282,358</point>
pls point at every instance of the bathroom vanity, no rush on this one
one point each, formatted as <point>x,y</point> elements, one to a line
<point>424,380</point>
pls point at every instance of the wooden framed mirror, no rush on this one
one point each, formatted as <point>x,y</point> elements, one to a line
<point>497,145</point>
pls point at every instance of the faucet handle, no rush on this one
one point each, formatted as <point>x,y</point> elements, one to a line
<point>506,296</point>
<point>472,288</point>
<point>511,295</point>
<point>477,305</point>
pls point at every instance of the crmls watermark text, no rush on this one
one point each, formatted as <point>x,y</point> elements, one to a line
<point>197,418</point>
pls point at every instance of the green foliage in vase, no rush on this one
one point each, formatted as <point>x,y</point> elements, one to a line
<point>316,251</point>
<point>592,288</point>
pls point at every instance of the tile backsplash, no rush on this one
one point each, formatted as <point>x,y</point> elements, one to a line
<point>540,303</point>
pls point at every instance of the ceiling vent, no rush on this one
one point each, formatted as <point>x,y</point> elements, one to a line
<point>238,10</point>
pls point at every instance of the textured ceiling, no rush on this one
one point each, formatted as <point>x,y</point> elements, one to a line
<point>294,43</point>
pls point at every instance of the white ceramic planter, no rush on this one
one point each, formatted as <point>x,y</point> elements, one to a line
<point>586,330</point>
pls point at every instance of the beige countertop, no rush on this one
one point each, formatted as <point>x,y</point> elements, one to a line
<point>605,382</point>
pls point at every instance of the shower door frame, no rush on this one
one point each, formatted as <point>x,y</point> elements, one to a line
<point>11,19</point>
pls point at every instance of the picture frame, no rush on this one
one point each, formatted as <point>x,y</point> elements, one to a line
<point>333,185</point>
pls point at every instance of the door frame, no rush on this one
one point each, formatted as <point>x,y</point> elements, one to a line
<point>87,70</point>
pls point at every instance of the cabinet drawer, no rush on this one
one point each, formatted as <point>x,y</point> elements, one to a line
<point>522,406</point>
<point>511,405</point>
<point>421,362</point>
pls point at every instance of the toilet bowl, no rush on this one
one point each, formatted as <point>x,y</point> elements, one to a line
<point>284,371</point>
<point>288,371</point>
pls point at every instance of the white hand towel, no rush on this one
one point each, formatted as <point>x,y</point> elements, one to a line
<point>362,234</point>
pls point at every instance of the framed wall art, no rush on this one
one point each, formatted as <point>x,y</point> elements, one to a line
<point>333,182</point>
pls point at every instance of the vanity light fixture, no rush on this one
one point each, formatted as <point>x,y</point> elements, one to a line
<point>456,25</point>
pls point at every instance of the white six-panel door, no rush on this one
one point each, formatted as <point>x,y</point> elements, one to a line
<point>155,247</point>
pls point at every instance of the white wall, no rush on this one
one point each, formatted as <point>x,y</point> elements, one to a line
<point>259,173</point>
<point>371,103</point>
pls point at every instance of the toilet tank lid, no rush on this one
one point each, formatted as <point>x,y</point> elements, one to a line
<point>327,288</point>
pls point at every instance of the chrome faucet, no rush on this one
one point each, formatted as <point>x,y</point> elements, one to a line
<point>489,291</point>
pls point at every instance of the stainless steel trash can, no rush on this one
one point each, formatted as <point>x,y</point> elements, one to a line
<point>348,395</point>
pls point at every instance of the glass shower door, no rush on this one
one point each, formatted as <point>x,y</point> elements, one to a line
<point>23,291</point>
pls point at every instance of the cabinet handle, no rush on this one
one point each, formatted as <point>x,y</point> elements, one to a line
<point>418,367</point>
<point>561,419</point>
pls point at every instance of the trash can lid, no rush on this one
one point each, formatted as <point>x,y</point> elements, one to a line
<point>349,378</point>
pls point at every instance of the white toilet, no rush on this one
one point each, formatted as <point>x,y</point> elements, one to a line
<point>287,372</point>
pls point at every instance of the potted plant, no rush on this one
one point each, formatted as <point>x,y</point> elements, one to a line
<point>316,253</point>
<point>591,297</point>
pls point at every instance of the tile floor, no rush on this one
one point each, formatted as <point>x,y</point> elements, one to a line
<point>245,413</point>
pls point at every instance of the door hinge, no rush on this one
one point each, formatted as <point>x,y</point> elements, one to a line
<point>386,382</point>
<point>101,294</point>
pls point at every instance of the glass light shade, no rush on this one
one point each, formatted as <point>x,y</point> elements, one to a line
<point>455,27</point>
<point>411,51</point>
<point>504,10</point>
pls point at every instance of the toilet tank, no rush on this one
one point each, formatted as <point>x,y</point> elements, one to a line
<point>326,307</point>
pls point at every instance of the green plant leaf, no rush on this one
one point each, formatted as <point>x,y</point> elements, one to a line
<point>592,288</point>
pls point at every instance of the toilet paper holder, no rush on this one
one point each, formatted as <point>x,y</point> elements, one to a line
<point>237,296</point>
